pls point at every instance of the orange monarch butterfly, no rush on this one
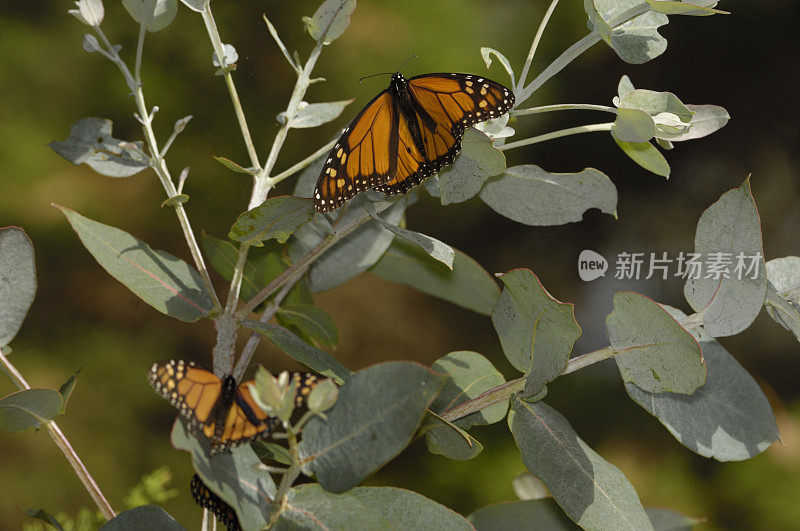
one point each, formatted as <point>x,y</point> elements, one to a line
<point>407,133</point>
<point>205,498</point>
<point>225,413</point>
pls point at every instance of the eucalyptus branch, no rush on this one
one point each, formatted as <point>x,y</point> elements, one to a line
<point>575,50</point>
<point>158,164</point>
<point>503,392</point>
<point>299,268</point>
<point>66,448</point>
<point>219,50</point>
<point>288,478</point>
<point>252,342</point>
<point>302,164</point>
<point>564,107</point>
<point>262,184</point>
<point>593,128</point>
<point>535,45</point>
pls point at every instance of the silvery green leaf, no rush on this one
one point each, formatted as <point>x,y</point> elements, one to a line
<point>478,161</point>
<point>654,103</point>
<point>669,126</point>
<point>154,14</point>
<point>645,155</point>
<point>330,20</point>
<point>496,127</point>
<point>90,142</point>
<point>196,5</point>
<point>231,56</point>
<point>314,114</point>
<point>487,52</point>
<point>694,8</point>
<point>634,125</point>
<point>707,119</point>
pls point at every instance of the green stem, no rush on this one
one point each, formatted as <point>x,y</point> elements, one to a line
<point>66,448</point>
<point>593,128</point>
<point>523,76</point>
<point>564,107</point>
<point>503,392</point>
<point>216,43</point>
<point>160,166</point>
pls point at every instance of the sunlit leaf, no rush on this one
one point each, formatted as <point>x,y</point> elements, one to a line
<point>478,161</point>
<point>160,279</point>
<point>653,350</point>
<point>592,491</point>
<point>314,114</point>
<point>155,14</point>
<point>530,195</point>
<point>706,119</point>
<point>730,229</point>
<point>536,331</point>
<point>645,155</point>
<point>783,275</point>
<point>277,217</point>
<point>634,125</point>
<point>437,250</point>
<point>330,20</point>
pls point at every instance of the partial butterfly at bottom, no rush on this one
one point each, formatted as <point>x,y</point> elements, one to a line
<point>225,413</point>
<point>407,133</point>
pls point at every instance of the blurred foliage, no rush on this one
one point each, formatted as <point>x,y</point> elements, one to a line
<point>83,318</point>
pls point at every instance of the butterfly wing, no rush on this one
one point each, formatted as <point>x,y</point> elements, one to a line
<point>446,105</point>
<point>190,389</point>
<point>365,155</point>
<point>246,422</point>
<point>206,498</point>
<point>242,423</point>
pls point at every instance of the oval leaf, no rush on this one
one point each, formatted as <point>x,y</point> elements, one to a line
<point>313,322</point>
<point>330,20</point>
<point>143,517</point>
<point>706,120</point>
<point>634,125</point>
<point>406,509</point>
<point>314,114</point>
<point>378,410</point>
<point>478,161</point>
<point>470,375</point>
<point>163,281</point>
<point>729,232</point>
<point>536,331</point>
<point>468,285</point>
<point>645,155</point>
<point>17,281</point>
<point>653,350</point>
<point>783,276</point>
<point>154,14</point>
<point>530,195</point>
<point>277,217</point>
<point>447,439</point>
<point>592,491</point>
<point>353,254</point>
<point>728,418</point>
<point>313,358</point>
<point>528,514</point>
<point>29,408</point>
<point>90,142</point>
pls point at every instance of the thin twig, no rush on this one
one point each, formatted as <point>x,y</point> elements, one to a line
<point>558,134</point>
<point>66,448</point>
<point>523,76</point>
<point>302,164</point>
<point>564,107</point>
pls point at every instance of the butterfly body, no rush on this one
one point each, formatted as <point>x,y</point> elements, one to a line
<point>407,133</point>
<point>224,412</point>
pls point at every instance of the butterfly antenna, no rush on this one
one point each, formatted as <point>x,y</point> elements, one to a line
<point>374,75</point>
<point>413,56</point>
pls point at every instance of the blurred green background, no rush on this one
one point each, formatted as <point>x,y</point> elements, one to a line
<point>82,318</point>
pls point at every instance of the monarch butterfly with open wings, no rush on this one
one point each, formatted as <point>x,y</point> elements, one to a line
<point>225,413</point>
<point>407,133</point>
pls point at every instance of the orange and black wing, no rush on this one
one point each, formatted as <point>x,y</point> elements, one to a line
<point>246,422</point>
<point>446,105</point>
<point>364,157</point>
<point>192,390</point>
<point>204,497</point>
